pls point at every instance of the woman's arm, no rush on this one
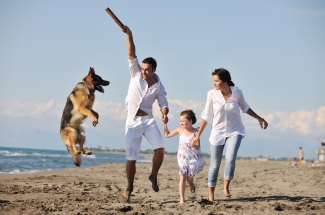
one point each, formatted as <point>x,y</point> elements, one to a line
<point>262,121</point>
<point>196,141</point>
<point>170,134</point>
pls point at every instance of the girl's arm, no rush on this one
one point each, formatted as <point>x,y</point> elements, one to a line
<point>170,134</point>
<point>262,121</point>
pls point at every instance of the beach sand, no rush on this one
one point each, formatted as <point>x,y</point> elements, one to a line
<point>259,187</point>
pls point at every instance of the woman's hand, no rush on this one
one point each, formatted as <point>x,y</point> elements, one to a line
<point>196,143</point>
<point>263,123</point>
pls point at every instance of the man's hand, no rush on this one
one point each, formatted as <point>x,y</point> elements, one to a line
<point>127,30</point>
<point>164,118</point>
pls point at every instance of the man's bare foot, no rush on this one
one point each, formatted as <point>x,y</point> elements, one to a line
<point>125,197</point>
<point>226,192</point>
<point>154,183</point>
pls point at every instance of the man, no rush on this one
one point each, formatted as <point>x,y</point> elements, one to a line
<point>145,87</point>
<point>301,155</point>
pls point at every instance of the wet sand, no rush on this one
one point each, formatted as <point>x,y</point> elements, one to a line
<point>259,187</point>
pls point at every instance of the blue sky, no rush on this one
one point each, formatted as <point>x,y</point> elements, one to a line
<point>274,50</point>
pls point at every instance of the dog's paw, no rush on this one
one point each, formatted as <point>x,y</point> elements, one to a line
<point>77,152</point>
<point>95,123</point>
<point>87,152</point>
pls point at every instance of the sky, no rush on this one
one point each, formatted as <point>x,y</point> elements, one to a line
<point>274,50</point>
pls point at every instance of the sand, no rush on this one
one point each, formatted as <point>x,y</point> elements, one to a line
<point>259,187</point>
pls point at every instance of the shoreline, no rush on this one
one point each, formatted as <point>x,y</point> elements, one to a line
<point>268,187</point>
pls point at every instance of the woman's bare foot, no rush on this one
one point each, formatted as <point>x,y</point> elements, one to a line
<point>211,194</point>
<point>226,192</point>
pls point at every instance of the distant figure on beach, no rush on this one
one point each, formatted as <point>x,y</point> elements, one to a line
<point>190,160</point>
<point>223,105</point>
<point>301,155</point>
<point>145,87</point>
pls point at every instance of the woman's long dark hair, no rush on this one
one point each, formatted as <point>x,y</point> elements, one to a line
<point>224,76</point>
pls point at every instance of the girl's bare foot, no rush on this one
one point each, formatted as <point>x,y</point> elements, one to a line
<point>192,187</point>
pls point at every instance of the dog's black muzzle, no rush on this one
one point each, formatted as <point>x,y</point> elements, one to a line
<point>104,83</point>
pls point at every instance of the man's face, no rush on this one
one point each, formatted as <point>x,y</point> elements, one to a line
<point>147,71</point>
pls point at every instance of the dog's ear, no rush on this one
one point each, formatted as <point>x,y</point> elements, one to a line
<point>91,71</point>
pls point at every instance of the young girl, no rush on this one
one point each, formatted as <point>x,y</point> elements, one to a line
<point>190,159</point>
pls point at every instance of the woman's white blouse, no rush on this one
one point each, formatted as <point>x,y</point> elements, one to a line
<point>225,115</point>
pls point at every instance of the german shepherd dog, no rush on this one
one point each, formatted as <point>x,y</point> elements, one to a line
<point>78,107</point>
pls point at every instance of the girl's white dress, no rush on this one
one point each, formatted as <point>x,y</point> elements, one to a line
<point>190,161</point>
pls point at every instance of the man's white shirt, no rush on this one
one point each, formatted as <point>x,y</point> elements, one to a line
<point>139,96</point>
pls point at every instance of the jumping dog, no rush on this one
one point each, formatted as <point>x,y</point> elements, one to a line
<point>78,107</point>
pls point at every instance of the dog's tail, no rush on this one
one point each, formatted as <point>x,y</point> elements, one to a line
<point>76,158</point>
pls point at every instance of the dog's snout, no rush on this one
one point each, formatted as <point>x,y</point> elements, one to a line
<point>105,83</point>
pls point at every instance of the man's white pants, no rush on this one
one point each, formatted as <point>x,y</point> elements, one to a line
<point>136,128</point>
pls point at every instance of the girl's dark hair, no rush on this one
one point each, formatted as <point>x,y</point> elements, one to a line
<point>224,76</point>
<point>190,115</point>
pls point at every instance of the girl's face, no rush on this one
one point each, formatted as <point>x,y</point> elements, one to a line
<point>185,123</point>
<point>218,84</point>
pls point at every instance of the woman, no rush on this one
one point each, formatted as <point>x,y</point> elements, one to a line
<point>223,104</point>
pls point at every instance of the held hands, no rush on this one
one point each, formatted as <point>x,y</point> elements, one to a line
<point>196,143</point>
<point>263,123</point>
<point>164,118</point>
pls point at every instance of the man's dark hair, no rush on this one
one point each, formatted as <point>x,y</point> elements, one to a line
<point>151,61</point>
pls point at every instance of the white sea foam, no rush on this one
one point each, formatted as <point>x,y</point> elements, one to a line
<point>4,152</point>
<point>89,156</point>
<point>50,155</point>
<point>14,154</point>
<point>145,161</point>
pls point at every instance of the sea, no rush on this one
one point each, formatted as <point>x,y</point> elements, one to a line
<point>24,160</point>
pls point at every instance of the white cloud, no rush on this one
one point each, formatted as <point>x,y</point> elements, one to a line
<point>177,106</point>
<point>303,121</point>
<point>23,109</point>
<point>115,110</point>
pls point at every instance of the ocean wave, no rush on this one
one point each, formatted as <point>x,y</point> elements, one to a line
<point>145,161</point>
<point>19,154</point>
<point>17,171</point>
<point>4,152</point>
<point>49,155</point>
<point>14,154</point>
<point>89,156</point>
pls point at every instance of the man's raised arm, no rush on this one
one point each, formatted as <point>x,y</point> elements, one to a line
<point>130,44</point>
